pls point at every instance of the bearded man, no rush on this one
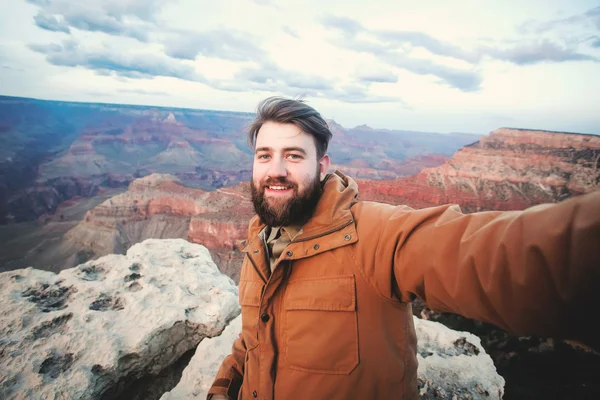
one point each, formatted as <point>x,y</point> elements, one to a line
<point>327,282</point>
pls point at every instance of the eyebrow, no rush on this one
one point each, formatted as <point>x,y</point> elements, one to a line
<point>298,149</point>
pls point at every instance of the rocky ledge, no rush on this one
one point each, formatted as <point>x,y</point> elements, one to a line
<point>110,328</point>
<point>92,331</point>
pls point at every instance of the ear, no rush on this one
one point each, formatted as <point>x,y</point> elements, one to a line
<point>324,166</point>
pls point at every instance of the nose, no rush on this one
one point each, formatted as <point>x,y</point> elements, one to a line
<point>277,168</point>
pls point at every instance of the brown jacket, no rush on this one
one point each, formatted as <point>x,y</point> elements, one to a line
<point>334,320</point>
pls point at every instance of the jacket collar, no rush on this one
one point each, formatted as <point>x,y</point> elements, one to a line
<point>340,192</point>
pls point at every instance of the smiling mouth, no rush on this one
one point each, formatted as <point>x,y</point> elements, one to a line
<point>279,187</point>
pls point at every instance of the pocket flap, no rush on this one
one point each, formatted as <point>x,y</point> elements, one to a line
<point>335,293</point>
<point>250,292</point>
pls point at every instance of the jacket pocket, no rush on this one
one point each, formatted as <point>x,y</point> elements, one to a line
<point>250,292</point>
<point>320,327</point>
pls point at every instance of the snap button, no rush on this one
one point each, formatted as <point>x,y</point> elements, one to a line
<point>316,247</point>
<point>265,317</point>
<point>254,394</point>
<point>347,237</point>
<point>255,251</point>
<point>289,254</point>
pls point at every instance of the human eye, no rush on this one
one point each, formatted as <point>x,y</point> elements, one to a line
<point>295,157</point>
<point>262,156</point>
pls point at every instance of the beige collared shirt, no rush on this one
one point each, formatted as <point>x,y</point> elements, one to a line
<point>278,239</point>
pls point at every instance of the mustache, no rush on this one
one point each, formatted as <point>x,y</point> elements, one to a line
<point>277,181</point>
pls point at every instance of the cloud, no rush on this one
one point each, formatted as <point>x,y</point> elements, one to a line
<point>290,31</point>
<point>107,24</point>
<point>348,26</point>
<point>228,45</point>
<point>129,18</point>
<point>590,18</point>
<point>392,47</point>
<point>466,80</point>
<point>267,3</point>
<point>392,39</point>
<point>144,92</point>
<point>105,62</point>
<point>51,23</point>
<point>359,94</point>
<point>376,76</point>
<point>269,77</point>
<point>538,52</point>
<point>427,42</point>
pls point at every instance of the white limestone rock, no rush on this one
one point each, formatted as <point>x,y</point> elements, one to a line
<point>200,372</point>
<point>452,365</point>
<point>85,332</point>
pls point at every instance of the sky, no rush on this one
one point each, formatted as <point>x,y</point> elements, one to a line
<point>444,66</point>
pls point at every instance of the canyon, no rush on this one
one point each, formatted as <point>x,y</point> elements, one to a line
<point>88,180</point>
<point>54,151</point>
<point>508,170</point>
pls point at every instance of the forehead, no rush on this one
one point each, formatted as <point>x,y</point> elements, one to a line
<point>277,136</point>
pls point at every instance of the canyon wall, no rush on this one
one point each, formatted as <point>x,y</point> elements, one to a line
<point>510,169</point>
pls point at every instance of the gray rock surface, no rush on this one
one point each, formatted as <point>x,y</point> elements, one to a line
<point>88,331</point>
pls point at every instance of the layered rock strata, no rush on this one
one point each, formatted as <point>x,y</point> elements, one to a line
<point>511,169</point>
<point>159,206</point>
<point>89,331</point>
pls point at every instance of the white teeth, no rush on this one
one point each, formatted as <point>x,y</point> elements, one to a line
<point>277,187</point>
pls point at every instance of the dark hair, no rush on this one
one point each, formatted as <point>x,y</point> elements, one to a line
<point>288,111</point>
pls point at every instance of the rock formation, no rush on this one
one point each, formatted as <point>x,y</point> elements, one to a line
<point>452,365</point>
<point>90,331</point>
<point>511,169</point>
<point>159,206</point>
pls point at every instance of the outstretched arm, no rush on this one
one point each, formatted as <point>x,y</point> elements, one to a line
<point>530,272</point>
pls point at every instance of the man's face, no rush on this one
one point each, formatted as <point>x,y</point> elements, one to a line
<point>286,174</point>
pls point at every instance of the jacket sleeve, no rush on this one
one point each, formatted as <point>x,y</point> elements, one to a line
<point>230,375</point>
<point>532,272</point>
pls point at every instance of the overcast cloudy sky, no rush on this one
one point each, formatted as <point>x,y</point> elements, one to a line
<point>438,65</point>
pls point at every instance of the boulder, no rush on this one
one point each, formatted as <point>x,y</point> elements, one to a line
<point>89,331</point>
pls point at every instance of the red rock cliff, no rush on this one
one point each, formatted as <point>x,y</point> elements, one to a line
<point>510,169</point>
<point>159,206</point>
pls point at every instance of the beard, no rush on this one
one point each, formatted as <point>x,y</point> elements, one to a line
<point>294,211</point>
